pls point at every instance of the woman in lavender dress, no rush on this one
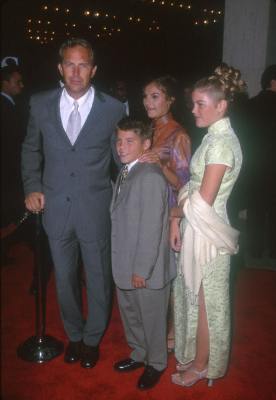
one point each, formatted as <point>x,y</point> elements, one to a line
<point>171,147</point>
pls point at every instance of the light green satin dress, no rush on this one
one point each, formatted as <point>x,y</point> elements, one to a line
<point>219,146</point>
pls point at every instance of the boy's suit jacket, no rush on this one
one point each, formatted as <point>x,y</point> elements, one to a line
<point>140,229</point>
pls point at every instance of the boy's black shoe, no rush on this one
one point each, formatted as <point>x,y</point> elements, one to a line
<point>149,378</point>
<point>89,356</point>
<point>127,365</point>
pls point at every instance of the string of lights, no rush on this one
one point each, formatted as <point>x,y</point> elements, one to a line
<point>54,21</point>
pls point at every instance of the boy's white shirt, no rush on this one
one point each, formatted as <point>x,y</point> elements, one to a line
<point>130,165</point>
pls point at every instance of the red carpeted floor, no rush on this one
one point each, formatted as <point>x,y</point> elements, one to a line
<point>251,375</point>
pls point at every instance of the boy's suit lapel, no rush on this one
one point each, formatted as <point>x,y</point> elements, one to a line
<point>124,186</point>
<point>117,198</point>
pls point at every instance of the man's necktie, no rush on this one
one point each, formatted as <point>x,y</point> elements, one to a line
<point>74,124</point>
<point>122,178</point>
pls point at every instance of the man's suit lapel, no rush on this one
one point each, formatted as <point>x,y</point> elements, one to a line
<point>93,117</point>
<point>54,115</point>
<point>91,120</point>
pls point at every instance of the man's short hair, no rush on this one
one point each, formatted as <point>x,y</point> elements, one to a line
<point>73,42</point>
<point>268,75</point>
<point>138,127</point>
<point>7,72</point>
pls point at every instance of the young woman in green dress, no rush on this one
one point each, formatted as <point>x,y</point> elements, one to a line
<point>200,231</point>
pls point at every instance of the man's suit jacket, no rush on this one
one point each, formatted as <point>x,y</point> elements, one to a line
<point>140,227</point>
<point>74,178</point>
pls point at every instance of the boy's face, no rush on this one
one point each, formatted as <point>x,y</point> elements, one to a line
<point>130,146</point>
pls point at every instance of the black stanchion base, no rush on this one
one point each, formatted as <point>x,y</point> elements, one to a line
<point>40,349</point>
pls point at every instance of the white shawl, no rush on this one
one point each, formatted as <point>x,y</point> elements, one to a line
<point>205,237</point>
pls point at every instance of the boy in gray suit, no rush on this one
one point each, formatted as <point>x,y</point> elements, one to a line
<point>141,264</point>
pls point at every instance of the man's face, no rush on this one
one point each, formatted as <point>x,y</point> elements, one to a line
<point>77,70</point>
<point>14,85</point>
<point>130,146</point>
<point>121,91</point>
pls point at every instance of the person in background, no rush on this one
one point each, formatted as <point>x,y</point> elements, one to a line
<point>12,133</point>
<point>66,172</point>
<point>120,89</point>
<point>261,209</point>
<point>200,230</point>
<point>171,147</point>
<point>120,92</point>
<point>125,92</point>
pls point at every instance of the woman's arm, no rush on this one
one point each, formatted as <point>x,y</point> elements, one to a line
<point>211,182</point>
<point>209,188</point>
<point>152,156</point>
<point>176,170</point>
<point>177,212</point>
<point>175,237</point>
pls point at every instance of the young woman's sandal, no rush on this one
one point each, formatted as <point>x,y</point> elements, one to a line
<point>179,377</point>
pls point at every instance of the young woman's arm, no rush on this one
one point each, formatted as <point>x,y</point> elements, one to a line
<point>211,182</point>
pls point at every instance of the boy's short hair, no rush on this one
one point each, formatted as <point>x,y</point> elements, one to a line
<point>138,127</point>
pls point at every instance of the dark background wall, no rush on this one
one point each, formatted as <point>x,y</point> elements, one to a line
<point>179,47</point>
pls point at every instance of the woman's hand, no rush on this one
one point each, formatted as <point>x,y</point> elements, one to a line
<point>175,238</point>
<point>150,156</point>
<point>176,212</point>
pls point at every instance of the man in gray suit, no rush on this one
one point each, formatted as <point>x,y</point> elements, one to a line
<point>141,263</point>
<point>65,167</point>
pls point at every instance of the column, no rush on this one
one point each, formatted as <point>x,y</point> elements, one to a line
<point>248,43</point>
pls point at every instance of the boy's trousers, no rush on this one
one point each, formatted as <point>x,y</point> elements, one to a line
<point>144,315</point>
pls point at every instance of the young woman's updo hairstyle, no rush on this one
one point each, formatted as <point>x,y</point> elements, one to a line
<point>167,84</point>
<point>224,84</point>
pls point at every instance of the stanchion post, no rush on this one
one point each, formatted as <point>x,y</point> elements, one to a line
<point>40,347</point>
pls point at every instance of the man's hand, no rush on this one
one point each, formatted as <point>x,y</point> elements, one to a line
<point>35,202</point>
<point>138,282</point>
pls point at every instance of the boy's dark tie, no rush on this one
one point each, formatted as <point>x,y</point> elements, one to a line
<point>122,177</point>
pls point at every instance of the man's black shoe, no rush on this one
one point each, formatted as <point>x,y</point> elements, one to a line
<point>72,352</point>
<point>89,356</point>
<point>149,378</point>
<point>127,365</point>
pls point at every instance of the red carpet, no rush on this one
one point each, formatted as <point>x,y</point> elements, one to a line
<point>251,375</point>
